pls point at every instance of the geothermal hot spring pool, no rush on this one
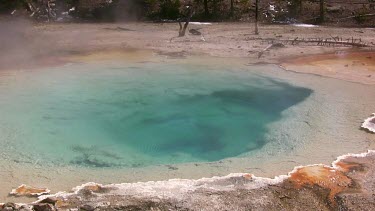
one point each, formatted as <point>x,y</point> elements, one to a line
<point>137,121</point>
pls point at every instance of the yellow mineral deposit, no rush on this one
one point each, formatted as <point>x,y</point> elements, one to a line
<point>93,187</point>
<point>25,190</point>
<point>248,176</point>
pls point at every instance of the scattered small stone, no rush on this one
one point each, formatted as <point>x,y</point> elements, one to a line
<point>25,208</point>
<point>49,200</point>
<point>346,65</point>
<point>195,32</point>
<point>43,207</point>
<point>87,207</point>
<point>9,206</point>
<point>285,197</point>
<point>8,209</point>
<point>369,76</point>
<point>278,45</point>
<point>359,31</point>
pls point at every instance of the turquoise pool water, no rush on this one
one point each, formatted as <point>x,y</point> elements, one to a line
<point>138,115</point>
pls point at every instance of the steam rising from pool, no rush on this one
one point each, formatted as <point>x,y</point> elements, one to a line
<point>140,115</point>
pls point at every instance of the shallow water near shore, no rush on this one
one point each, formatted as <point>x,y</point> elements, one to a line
<point>114,122</point>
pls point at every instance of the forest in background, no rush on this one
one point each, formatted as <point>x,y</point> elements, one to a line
<point>340,12</point>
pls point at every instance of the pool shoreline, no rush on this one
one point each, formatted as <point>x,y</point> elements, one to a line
<point>337,185</point>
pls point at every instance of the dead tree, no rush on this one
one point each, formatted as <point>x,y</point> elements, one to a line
<point>356,16</point>
<point>188,15</point>
<point>182,30</point>
<point>206,11</point>
<point>189,12</point>
<point>333,41</point>
<point>33,9</point>
<point>256,16</point>
<point>322,11</point>
<point>231,8</point>
<point>42,9</point>
<point>273,45</point>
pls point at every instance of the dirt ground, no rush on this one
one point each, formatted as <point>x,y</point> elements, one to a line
<point>25,44</point>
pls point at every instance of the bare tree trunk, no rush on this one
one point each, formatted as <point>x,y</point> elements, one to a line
<point>322,11</point>
<point>189,15</point>
<point>231,8</point>
<point>182,30</point>
<point>296,8</point>
<point>256,16</point>
<point>214,11</point>
<point>206,11</point>
<point>31,6</point>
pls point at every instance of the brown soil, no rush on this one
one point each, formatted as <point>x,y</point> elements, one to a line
<point>345,65</point>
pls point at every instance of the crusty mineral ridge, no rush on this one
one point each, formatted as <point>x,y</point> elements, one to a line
<point>346,185</point>
<point>25,190</point>
<point>369,123</point>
